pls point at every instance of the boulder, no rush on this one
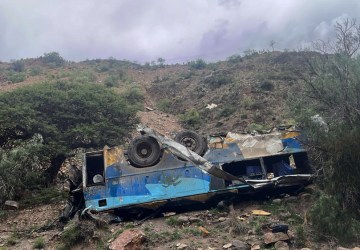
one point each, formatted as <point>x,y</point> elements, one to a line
<point>275,237</point>
<point>281,245</point>
<point>181,246</point>
<point>276,201</point>
<point>342,248</point>
<point>194,219</point>
<point>128,240</point>
<point>240,245</point>
<point>183,219</point>
<point>227,246</point>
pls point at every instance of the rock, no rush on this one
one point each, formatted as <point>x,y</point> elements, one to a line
<point>183,219</point>
<point>222,219</point>
<point>11,205</point>
<point>227,246</point>
<point>291,234</point>
<point>255,247</point>
<point>276,201</point>
<point>356,248</point>
<point>342,248</point>
<point>275,237</point>
<point>285,215</point>
<point>251,232</point>
<point>281,245</point>
<point>240,245</point>
<point>169,214</point>
<point>128,240</point>
<point>181,246</point>
<point>194,219</point>
<point>305,248</point>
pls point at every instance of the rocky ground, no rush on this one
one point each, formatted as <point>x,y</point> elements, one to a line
<point>246,224</point>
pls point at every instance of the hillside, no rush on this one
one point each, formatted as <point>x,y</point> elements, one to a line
<point>250,92</point>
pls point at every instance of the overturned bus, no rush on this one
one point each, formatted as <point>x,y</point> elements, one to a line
<point>157,170</point>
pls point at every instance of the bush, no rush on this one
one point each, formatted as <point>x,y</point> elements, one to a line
<point>39,243</point>
<point>267,86</point>
<point>234,59</point>
<point>329,218</point>
<point>53,59</point>
<point>165,105</point>
<point>75,234</point>
<point>20,169</point>
<point>111,81</point>
<point>15,77</point>
<point>219,78</point>
<point>18,66</point>
<point>67,116</point>
<point>191,118</point>
<point>133,96</point>
<point>227,111</point>
<point>198,64</point>
<point>36,70</point>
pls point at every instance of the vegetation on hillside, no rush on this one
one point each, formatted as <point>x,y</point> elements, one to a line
<point>333,92</point>
<point>41,124</point>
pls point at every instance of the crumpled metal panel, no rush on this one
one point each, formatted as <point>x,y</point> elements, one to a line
<point>185,153</point>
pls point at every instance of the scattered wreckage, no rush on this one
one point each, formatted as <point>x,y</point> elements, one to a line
<point>157,171</point>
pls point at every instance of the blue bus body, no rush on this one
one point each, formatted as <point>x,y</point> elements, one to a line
<point>261,160</point>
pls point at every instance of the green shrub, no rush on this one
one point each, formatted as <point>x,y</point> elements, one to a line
<point>75,234</point>
<point>267,86</point>
<point>53,59</point>
<point>134,96</point>
<point>191,118</point>
<point>329,218</point>
<point>67,116</point>
<point>227,111</point>
<point>234,59</point>
<point>20,169</point>
<point>257,105</point>
<point>18,65</point>
<point>36,70</point>
<point>165,105</point>
<point>112,81</point>
<point>39,243</point>
<point>300,239</point>
<point>219,78</point>
<point>15,77</point>
<point>198,64</point>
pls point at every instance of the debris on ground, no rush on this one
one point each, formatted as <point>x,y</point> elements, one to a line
<point>260,212</point>
<point>11,205</point>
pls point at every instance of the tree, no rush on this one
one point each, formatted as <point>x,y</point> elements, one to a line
<point>333,92</point>
<point>334,85</point>
<point>272,45</point>
<point>53,59</point>
<point>18,65</point>
<point>67,116</point>
<point>161,61</point>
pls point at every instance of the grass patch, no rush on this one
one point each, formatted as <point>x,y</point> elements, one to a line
<point>76,233</point>
<point>44,196</point>
<point>172,221</point>
<point>39,243</point>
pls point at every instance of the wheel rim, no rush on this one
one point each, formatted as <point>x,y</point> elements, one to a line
<point>190,143</point>
<point>144,150</point>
